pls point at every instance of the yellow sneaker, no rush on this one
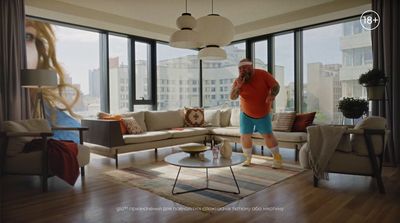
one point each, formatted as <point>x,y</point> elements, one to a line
<point>277,163</point>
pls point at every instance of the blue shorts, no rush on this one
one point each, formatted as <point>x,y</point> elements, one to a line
<point>249,125</point>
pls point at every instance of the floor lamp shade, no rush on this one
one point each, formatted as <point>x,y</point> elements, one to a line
<point>38,78</point>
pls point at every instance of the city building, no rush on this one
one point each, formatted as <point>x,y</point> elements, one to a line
<point>120,56</point>
<point>357,58</point>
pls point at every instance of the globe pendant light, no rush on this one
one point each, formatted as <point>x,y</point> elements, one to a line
<point>214,31</point>
<point>212,52</point>
<point>186,37</point>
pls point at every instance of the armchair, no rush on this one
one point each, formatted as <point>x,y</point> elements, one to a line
<point>361,154</point>
<point>14,136</point>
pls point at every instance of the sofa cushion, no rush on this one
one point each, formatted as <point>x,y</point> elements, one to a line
<point>303,157</point>
<point>189,131</point>
<point>212,117</point>
<point>226,131</point>
<point>146,137</point>
<point>161,120</point>
<point>38,125</point>
<point>281,136</point>
<point>358,141</point>
<point>287,136</point>
<point>344,144</point>
<point>16,144</point>
<point>302,121</point>
<point>194,117</point>
<point>340,162</point>
<point>235,117</point>
<point>138,116</point>
<point>132,126</point>
<point>283,121</point>
<point>17,164</point>
<point>83,156</point>
<point>225,116</point>
<point>350,163</point>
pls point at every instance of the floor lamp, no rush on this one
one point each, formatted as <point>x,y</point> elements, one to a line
<point>39,79</point>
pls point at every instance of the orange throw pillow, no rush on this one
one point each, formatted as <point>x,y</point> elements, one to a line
<point>122,125</point>
<point>302,121</point>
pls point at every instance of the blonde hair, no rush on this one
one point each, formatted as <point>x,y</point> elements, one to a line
<point>45,45</point>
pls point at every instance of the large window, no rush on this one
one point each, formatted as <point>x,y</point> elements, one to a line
<point>284,72</point>
<point>143,75</point>
<point>218,77</point>
<point>260,49</point>
<point>178,78</point>
<point>334,57</point>
<point>118,74</point>
<point>77,54</point>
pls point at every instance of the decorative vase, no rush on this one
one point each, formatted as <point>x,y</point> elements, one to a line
<point>225,149</point>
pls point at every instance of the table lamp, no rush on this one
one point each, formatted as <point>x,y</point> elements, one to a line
<point>38,78</point>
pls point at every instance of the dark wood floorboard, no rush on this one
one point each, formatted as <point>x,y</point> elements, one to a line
<point>344,198</point>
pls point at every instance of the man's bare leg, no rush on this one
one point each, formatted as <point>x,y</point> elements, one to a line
<point>272,144</point>
<point>247,146</point>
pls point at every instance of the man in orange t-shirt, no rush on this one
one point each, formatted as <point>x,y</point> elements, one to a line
<point>257,90</point>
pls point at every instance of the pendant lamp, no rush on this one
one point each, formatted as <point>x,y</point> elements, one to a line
<point>185,37</point>
<point>214,31</point>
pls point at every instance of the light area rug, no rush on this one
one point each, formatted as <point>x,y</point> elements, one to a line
<point>158,177</point>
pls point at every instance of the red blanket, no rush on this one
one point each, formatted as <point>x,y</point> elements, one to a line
<point>63,160</point>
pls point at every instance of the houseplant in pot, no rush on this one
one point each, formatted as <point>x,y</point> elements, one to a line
<point>353,107</point>
<point>375,81</point>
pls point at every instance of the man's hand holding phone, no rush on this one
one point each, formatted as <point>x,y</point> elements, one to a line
<point>239,82</point>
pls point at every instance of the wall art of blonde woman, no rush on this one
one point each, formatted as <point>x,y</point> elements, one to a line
<point>41,54</point>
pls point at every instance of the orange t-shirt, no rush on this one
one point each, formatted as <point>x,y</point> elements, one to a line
<point>253,94</point>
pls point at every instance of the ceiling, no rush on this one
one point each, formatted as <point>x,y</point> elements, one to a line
<point>156,18</point>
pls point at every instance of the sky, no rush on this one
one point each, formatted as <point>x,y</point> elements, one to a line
<point>319,45</point>
<point>78,50</point>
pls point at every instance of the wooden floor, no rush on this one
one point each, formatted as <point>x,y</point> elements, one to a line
<point>343,198</point>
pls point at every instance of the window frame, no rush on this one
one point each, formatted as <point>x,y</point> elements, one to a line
<point>249,51</point>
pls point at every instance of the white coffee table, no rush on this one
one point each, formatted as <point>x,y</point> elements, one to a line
<point>183,159</point>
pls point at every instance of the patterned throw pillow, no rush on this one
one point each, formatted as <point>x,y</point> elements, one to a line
<point>194,117</point>
<point>132,126</point>
<point>283,121</point>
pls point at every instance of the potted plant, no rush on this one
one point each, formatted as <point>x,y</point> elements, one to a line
<point>353,107</point>
<point>375,81</point>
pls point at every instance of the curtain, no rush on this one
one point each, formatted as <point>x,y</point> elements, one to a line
<point>386,48</point>
<point>14,101</point>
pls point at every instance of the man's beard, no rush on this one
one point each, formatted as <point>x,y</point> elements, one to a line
<point>246,77</point>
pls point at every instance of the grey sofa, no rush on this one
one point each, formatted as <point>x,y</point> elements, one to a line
<point>167,128</point>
